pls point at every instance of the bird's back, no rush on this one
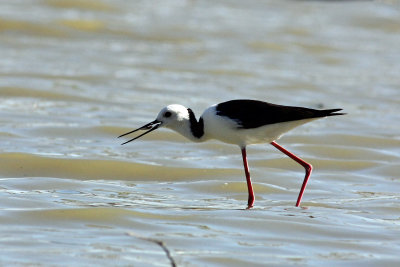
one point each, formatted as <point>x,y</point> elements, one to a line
<point>244,122</point>
<point>253,113</point>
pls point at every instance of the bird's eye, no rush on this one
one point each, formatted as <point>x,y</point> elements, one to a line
<point>167,114</point>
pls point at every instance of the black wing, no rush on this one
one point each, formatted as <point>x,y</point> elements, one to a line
<point>253,113</point>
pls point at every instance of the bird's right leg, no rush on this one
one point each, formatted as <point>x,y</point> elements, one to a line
<point>307,166</point>
<point>248,180</point>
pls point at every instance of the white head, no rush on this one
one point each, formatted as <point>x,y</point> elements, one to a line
<point>175,117</point>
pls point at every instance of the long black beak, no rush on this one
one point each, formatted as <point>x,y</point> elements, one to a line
<point>150,127</point>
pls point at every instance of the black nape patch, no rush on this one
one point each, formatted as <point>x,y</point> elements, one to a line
<point>196,127</point>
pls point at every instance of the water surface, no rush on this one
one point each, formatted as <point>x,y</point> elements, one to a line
<point>76,74</point>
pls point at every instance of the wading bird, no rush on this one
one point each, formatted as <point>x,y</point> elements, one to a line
<point>242,123</point>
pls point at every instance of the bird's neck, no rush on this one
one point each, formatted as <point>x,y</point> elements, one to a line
<point>191,128</point>
<point>196,127</point>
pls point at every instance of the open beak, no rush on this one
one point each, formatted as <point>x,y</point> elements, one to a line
<point>150,127</point>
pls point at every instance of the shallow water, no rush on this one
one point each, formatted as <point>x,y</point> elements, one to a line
<point>76,74</point>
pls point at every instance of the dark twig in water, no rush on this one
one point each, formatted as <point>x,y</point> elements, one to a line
<point>159,243</point>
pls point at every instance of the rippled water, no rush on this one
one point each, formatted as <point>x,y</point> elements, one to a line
<point>75,74</point>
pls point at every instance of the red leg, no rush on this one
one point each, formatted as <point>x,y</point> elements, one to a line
<point>307,167</point>
<point>249,186</point>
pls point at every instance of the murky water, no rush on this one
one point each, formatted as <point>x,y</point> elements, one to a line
<point>76,74</point>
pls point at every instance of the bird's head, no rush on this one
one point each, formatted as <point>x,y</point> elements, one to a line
<point>172,116</point>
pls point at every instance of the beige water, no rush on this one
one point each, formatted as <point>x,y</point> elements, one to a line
<point>75,74</point>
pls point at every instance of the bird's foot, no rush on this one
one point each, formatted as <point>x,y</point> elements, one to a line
<point>250,203</point>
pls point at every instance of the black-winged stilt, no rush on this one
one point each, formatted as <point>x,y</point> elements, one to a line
<point>242,123</point>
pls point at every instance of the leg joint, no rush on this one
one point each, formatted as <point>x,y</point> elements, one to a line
<point>308,167</point>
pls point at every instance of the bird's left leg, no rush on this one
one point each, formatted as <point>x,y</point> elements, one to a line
<point>307,167</point>
<point>248,180</point>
